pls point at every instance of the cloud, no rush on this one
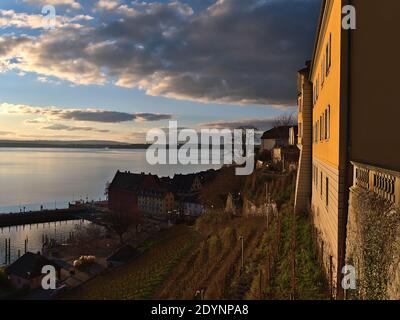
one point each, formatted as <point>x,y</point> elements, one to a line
<point>87,115</point>
<point>6,133</point>
<point>235,51</point>
<point>61,127</point>
<point>70,3</point>
<point>47,80</point>
<point>10,18</point>
<point>107,4</point>
<point>260,124</point>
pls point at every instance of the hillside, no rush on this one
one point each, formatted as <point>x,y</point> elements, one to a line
<point>278,257</point>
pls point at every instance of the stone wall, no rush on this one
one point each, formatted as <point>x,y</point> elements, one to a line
<point>373,246</point>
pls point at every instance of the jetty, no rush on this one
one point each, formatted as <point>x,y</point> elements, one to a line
<point>74,212</point>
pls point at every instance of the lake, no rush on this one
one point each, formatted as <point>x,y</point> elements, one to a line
<point>58,231</point>
<point>31,177</point>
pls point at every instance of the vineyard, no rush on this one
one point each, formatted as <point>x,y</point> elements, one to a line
<point>215,266</point>
<point>224,257</point>
<point>141,278</point>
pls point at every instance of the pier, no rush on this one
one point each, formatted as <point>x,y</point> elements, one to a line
<point>73,213</point>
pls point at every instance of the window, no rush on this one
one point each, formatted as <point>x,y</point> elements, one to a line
<point>320,128</point>
<point>327,191</point>
<point>322,181</point>
<point>326,125</point>
<point>329,122</point>
<point>330,51</point>
<point>327,59</point>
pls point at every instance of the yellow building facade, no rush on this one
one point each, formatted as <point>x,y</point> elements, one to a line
<point>327,203</point>
<point>352,115</point>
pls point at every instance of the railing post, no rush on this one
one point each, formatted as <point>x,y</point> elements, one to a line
<point>371,180</point>
<point>355,175</point>
<point>397,191</point>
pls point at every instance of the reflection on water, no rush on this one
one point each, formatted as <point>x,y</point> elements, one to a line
<point>35,233</point>
<point>32,177</point>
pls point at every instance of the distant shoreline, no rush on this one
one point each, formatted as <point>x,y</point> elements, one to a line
<point>50,146</point>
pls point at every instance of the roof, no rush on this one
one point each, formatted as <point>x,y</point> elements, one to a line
<point>277,133</point>
<point>128,181</point>
<point>29,266</point>
<point>183,182</point>
<point>316,41</point>
<point>124,254</point>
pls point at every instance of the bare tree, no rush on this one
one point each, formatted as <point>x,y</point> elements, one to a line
<point>107,189</point>
<point>120,223</point>
<point>284,120</point>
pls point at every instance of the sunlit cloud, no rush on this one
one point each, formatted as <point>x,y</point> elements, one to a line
<point>234,52</point>
<point>86,115</point>
<point>70,3</point>
<point>6,133</point>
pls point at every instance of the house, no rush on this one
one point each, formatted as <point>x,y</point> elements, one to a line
<point>186,185</point>
<point>234,204</point>
<point>276,137</point>
<point>347,112</point>
<point>293,135</point>
<point>288,156</point>
<point>122,256</point>
<point>156,201</point>
<point>124,189</point>
<point>192,206</point>
<point>26,272</point>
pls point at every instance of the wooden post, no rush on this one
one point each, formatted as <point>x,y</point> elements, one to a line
<point>293,258</point>
<point>397,191</point>
<point>331,275</point>
<point>9,250</point>
<point>6,251</point>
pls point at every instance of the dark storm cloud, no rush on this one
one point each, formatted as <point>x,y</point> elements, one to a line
<point>110,116</point>
<point>88,115</point>
<point>234,51</point>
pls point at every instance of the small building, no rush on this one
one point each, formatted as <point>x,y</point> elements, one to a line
<point>26,272</point>
<point>192,206</point>
<point>234,204</point>
<point>156,201</point>
<point>122,256</point>
<point>288,156</point>
<point>276,137</point>
<point>186,185</point>
<point>293,135</point>
<point>124,189</point>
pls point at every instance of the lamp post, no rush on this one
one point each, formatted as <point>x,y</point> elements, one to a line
<point>242,266</point>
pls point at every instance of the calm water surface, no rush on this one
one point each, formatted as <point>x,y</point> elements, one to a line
<point>58,231</point>
<point>31,177</point>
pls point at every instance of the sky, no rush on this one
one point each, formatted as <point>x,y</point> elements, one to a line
<point>113,69</point>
